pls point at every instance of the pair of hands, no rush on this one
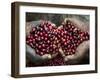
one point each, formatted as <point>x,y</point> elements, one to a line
<point>75,58</point>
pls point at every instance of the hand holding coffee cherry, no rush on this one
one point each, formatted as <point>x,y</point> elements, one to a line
<point>79,41</point>
<point>57,44</point>
<point>43,40</point>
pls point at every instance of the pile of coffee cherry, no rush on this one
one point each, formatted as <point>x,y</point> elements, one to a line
<point>43,40</point>
<point>70,37</point>
<point>46,38</point>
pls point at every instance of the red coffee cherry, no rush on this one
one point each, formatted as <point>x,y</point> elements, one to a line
<point>74,36</point>
<point>47,39</point>
<point>46,34</point>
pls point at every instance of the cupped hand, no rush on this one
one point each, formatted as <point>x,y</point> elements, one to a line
<point>30,52</point>
<point>82,51</point>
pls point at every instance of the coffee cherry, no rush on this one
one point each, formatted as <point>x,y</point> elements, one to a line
<point>45,33</point>
<point>73,36</point>
<point>47,39</point>
<point>57,61</point>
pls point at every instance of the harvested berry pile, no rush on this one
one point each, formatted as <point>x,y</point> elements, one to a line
<point>58,60</point>
<point>70,37</point>
<point>47,39</point>
<point>43,39</point>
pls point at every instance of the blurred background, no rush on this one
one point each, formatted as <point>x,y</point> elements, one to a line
<point>54,18</point>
